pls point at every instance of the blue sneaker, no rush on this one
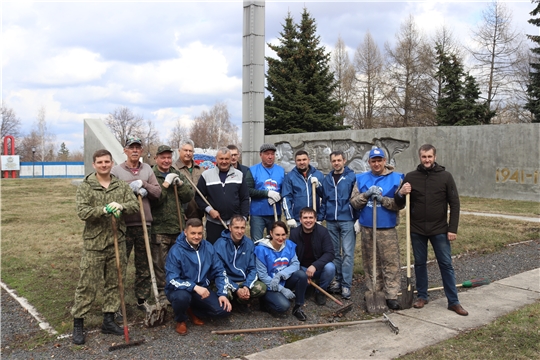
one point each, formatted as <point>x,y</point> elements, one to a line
<point>345,293</point>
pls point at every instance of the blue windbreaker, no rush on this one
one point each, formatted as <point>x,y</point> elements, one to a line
<point>187,267</point>
<point>239,263</point>
<point>335,202</point>
<point>271,261</point>
<point>297,193</point>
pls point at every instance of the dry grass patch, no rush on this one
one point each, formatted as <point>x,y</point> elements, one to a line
<point>499,206</point>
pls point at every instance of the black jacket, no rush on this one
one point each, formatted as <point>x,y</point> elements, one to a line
<point>323,248</point>
<point>432,191</point>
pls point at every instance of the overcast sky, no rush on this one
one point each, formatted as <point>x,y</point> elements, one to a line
<point>171,60</point>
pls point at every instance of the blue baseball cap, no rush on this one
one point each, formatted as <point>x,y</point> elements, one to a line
<point>376,152</point>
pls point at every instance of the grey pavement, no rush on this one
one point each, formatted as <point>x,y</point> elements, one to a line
<point>512,217</point>
<point>418,328</point>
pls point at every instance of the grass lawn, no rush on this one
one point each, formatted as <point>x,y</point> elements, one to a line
<point>41,243</point>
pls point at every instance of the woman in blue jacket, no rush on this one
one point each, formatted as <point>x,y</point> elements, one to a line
<point>279,268</point>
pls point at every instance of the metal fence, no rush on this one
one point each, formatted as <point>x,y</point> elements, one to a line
<point>57,169</point>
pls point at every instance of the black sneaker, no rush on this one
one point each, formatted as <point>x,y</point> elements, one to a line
<point>299,313</point>
<point>320,298</point>
<point>393,304</point>
<point>334,288</point>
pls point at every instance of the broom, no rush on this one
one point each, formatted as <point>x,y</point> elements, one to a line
<point>466,284</point>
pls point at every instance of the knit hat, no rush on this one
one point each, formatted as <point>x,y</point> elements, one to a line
<point>266,147</point>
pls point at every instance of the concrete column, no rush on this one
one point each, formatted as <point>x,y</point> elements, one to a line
<point>253,81</point>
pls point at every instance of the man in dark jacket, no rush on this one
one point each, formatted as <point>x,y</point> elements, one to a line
<point>236,252</point>
<point>314,250</point>
<point>192,264</point>
<point>224,187</point>
<point>432,190</point>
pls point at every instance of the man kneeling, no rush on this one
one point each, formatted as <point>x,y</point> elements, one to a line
<point>236,252</point>
<point>191,265</point>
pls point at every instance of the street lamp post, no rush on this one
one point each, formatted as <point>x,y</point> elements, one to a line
<point>33,157</point>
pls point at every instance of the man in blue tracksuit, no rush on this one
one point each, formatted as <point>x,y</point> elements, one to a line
<point>297,189</point>
<point>265,192</point>
<point>380,184</point>
<point>191,265</point>
<point>340,216</point>
<point>236,253</point>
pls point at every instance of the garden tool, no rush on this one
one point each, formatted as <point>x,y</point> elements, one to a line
<point>205,200</point>
<point>375,300</point>
<point>407,294</point>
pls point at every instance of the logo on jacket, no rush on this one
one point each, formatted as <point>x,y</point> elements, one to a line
<point>271,184</point>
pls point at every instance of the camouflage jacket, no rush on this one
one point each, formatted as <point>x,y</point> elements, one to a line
<point>91,199</point>
<point>164,209</point>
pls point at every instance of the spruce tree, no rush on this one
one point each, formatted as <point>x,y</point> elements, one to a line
<point>533,88</point>
<point>300,83</point>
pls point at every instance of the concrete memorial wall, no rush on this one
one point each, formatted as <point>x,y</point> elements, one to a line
<point>490,161</point>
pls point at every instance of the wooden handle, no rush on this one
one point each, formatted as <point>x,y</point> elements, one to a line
<point>275,211</point>
<point>314,197</point>
<point>408,232</point>
<point>205,200</point>
<point>178,209</point>
<point>120,281</point>
<point>148,252</point>
<point>374,273</point>
<point>325,293</point>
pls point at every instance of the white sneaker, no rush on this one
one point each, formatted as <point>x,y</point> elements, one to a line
<point>345,293</point>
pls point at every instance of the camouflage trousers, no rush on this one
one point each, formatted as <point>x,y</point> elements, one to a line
<point>160,246</point>
<point>388,268</point>
<point>258,290</point>
<point>135,242</point>
<point>99,268</point>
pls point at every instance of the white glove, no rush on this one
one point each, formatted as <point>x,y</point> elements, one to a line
<point>357,227</point>
<point>292,223</point>
<point>136,185</point>
<point>273,197</point>
<point>177,182</point>
<point>114,208</point>
<point>169,179</point>
<point>315,181</point>
<point>143,192</point>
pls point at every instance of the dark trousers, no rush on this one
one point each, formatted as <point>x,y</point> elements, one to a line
<point>213,231</point>
<point>181,300</point>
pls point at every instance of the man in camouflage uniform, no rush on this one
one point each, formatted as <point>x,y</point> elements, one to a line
<point>379,184</point>
<point>165,225</point>
<point>187,166</point>
<point>142,181</point>
<point>99,197</point>
<point>236,252</point>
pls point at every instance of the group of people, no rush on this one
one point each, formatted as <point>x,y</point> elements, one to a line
<point>204,263</point>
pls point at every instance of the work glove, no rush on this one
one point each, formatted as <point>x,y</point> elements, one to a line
<point>136,185</point>
<point>143,192</point>
<point>273,197</point>
<point>377,197</point>
<point>114,208</point>
<point>357,227</point>
<point>287,293</point>
<point>177,182</point>
<point>292,223</point>
<point>274,283</point>
<point>169,179</point>
<point>315,181</point>
<point>372,190</point>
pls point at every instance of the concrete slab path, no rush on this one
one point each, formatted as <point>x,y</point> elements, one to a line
<point>418,328</point>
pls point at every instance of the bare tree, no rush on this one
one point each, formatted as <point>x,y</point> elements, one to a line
<point>344,73</point>
<point>410,71</point>
<point>179,133</point>
<point>213,128</point>
<point>151,139</point>
<point>45,139</point>
<point>495,53</point>
<point>11,124</point>
<point>122,122</point>
<point>368,64</point>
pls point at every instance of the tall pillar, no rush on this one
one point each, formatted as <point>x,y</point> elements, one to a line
<point>253,81</point>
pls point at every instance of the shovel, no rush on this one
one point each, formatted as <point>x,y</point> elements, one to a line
<point>155,314</point>
<point>121,289</point>
<point>375,300</point>
<point>407,294</point>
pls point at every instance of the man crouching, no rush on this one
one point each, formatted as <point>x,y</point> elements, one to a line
<point>191,265</point>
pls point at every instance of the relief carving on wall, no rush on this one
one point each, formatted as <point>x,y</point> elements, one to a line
<point>356,152</point>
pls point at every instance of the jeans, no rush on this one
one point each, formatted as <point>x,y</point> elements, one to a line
<point>325,275</point>
<point>443,253</point>
<point>278,302</point>
<point>257,224</point>
<point>344,240</point>
<point>182,299</point>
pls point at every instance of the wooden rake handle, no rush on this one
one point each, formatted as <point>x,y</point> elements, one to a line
<point>325,293</point>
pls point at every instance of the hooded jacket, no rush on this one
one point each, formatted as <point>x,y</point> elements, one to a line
<point>186,267</point>
<point>91,199</point>
<point>335,202</point>
<point>321,242</point>
<point>433,190</point>
<point>297,192</point>
<point>239,263</point>
<point>271,261</point>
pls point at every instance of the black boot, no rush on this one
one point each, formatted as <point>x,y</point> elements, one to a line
<point>78,331</point>
<point>109,326</point>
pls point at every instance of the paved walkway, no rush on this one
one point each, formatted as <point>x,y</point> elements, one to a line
<point>418,328</point>
<point>512,217</point>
